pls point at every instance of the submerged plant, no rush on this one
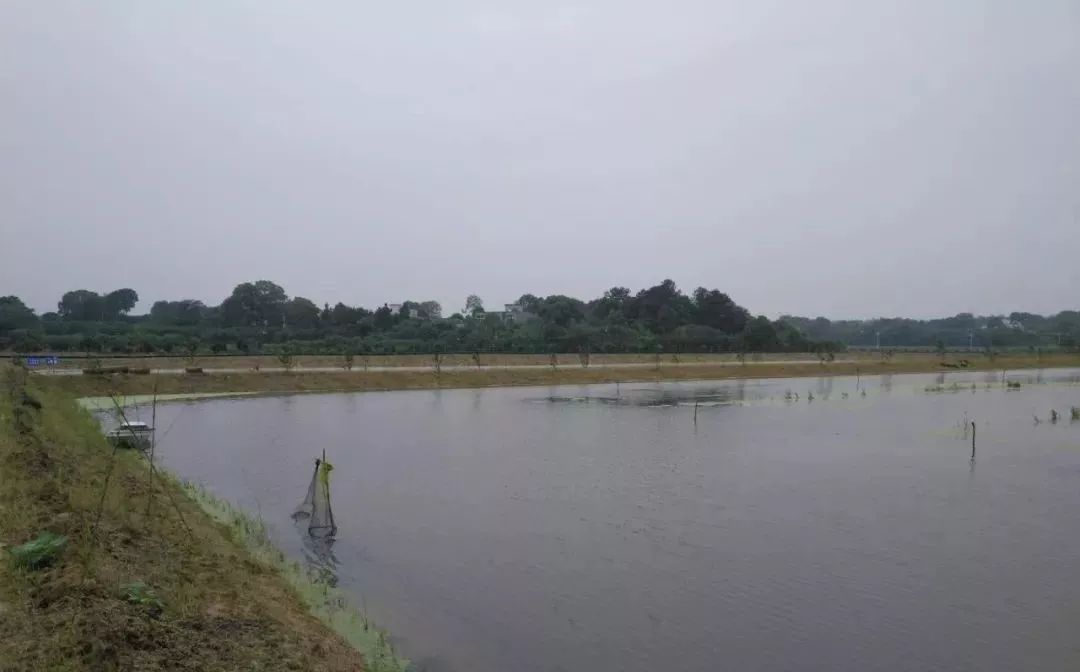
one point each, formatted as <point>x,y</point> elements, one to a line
<point>1053,415</point>
<point>1074,413</point>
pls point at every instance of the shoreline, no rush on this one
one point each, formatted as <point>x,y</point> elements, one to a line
<point>208,383</point>
<point>145,571</point>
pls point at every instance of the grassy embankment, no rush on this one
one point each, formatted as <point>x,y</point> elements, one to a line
<point>85,360</point>
<point>700,368</point>
<point>154,582</point>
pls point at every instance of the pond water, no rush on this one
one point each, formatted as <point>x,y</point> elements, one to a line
<point>601,528</point>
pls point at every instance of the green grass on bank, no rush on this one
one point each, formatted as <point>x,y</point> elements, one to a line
<point>145,579</point>
<point>323,600</point>
<point>107,403</point>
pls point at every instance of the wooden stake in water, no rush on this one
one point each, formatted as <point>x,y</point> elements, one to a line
<point>973,441</point>
<point>695,411</point>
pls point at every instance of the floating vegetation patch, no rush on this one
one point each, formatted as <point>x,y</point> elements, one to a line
<point>939,388</point>
<point>661,398</point>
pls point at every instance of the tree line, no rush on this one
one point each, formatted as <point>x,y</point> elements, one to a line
<point>965,331</point>
<point>260,317</point>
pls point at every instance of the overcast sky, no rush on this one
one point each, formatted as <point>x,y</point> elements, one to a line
<point>847,159</point>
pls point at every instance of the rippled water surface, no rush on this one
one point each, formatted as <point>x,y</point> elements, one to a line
<point>602,528</point>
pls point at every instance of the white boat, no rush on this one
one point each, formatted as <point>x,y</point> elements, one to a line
<point>131,435</point>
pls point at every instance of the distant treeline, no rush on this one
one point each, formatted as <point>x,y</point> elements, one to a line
<point>259,317</point>
<point>960,332</point>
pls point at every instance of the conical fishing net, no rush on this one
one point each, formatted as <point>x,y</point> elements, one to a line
<point>322,517</point>
<point>306,506</point>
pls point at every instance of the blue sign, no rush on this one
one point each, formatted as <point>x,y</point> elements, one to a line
<point>36,361</point>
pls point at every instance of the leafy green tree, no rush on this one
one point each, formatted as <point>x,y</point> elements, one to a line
<point>120,302</point>
<point>260,303</point>
<point>529,303</point>
<point>715,309</point>
<point>384,318</point>
<point>258,313</point>
<point>760,335</point>
<point>661,308</point>
<point>82,305</point>
<point>241,307</point>
<point>27,341</point>
<point>474,305</point>
<point>612,307</point>
<point>301,313</point>
<point>188,312</point>
<point>431,310</point>
<point>560,310</point>
<point>347,316</point>
<point>14,314</point>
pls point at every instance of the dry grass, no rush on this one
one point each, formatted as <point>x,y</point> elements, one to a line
<point>358,379</point>
<point>221,610</point>
<point>79,361</point>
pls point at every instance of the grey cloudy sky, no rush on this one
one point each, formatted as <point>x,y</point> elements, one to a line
<point>851,159</point>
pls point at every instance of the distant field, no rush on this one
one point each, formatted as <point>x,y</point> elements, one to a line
<point>81,361</point>
<point>321,361</point>
<point>410,373</point>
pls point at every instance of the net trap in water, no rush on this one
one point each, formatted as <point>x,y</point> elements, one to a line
<point>315,508</point>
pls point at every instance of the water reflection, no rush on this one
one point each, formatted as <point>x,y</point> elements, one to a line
<point>600,528</point>
<point>319,560</point>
